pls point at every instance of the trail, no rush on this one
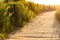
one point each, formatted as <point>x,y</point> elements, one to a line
<point>43,27</point>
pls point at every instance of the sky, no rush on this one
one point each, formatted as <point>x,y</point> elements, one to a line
<point>46,2</point>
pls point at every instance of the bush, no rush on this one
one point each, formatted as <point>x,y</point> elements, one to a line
<point>58,14</point>
<point>5,16</point>
<point>22,14</point>
<point>14,14</point>
<point>38,8</point>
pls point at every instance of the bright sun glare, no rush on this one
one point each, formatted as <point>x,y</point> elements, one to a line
<point>46,2</point>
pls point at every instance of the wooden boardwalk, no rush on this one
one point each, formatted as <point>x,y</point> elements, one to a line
<point>43,27</point>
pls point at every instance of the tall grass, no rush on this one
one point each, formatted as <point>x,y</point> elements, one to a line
<point>5,16</point>
<point>13,14</point>
<point>22,14</point>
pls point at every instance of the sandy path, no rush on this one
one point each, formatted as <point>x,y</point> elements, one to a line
<point>43,27</point>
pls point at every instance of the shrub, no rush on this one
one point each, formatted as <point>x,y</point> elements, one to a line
<point>5,15</point>
<point>14,14</point>
<point>22,14</point>
<point>58,14</point>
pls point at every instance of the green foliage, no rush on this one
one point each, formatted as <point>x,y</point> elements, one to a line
<point>5,15</point>
<point>22,14</point>
<point>38,8</point>
<point>14,14</point>
<point>2,36</point>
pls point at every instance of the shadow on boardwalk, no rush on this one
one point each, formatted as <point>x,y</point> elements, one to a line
<point>56,30</point>
<point>14,31</point>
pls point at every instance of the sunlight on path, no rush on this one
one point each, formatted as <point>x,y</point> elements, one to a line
<point>43,27</point>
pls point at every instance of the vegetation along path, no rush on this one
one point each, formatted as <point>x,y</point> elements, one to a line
<point>43,27</point>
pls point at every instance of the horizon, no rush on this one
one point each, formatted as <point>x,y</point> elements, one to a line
<point>46,2</point>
